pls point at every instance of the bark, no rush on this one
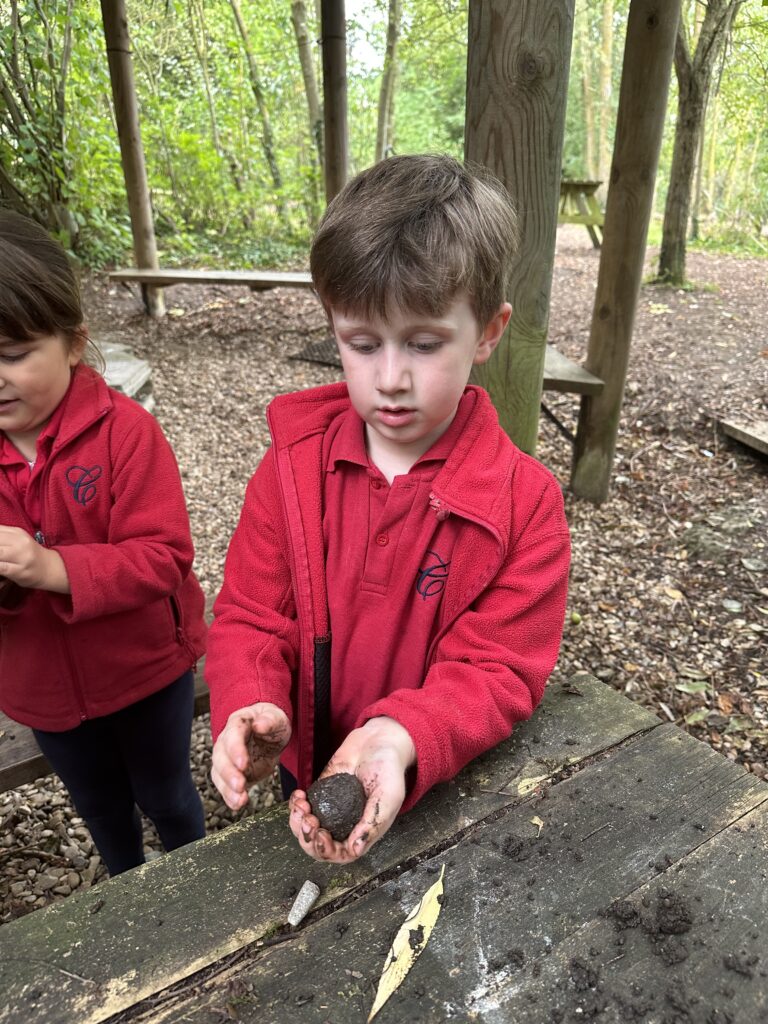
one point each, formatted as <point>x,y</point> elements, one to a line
<point>387,91</point>
<point>694,76</point>
<point>267,138</point>
<point>314,107</point>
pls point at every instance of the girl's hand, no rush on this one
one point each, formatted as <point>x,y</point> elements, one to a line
<point>247,750</point>
<point>379,753</point>
<point>29,564</point>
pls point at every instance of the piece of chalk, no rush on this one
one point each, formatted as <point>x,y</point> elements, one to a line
<point>303,903</point>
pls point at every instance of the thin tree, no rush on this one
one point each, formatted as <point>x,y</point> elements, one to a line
<point>267,138</point>
<point>309,75</point>
<point>387,91</point>
<point>606,88</point>
<point>694,75</point>
<point>587,92</point>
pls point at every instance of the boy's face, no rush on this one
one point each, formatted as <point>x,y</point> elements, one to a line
<point>406,373</point>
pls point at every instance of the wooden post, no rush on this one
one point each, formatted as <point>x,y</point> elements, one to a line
<point>517,79</point>
<point>134,171</point>
<point>333,33</point>
<point>648,52</point>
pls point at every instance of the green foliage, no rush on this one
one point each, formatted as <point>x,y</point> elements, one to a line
<point>214,197</point>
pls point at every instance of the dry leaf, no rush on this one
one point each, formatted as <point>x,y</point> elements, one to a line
<point>538,823</point>
<point>725,703</point>
<point>673,593</point>
<point>409,943</point>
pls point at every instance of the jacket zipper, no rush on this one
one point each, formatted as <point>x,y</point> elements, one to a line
<point>181,636</point>
<point>41,539</point>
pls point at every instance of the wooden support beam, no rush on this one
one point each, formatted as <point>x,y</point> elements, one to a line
<point>648,52</point>
<point>134,170</point>
<point>333,32</point>
<point>517,79</point>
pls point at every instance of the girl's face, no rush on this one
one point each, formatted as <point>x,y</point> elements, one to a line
<point>34,377</point>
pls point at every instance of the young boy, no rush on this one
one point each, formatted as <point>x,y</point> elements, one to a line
<point>393,514</point>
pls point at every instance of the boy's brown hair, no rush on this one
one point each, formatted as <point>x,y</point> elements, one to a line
<point>39,291</point>
<point>413,232</point>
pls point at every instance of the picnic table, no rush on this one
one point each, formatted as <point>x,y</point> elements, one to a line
<point>579,205</point>
<point>599,865</point>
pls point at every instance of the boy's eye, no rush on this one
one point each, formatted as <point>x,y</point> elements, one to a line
<point>12,357</point>
<point>426,345</point>
<point>363,346</point>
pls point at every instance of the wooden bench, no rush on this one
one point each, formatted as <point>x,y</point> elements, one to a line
<point>20,757</point>
<point>579,205</point>
<point>256,280</point>
<point>598,864</point>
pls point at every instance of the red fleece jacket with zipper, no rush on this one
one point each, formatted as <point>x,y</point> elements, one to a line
<point>113,508</point>
<point>502,608</point>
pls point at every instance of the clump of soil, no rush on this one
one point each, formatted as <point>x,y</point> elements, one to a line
<point>337,802</point>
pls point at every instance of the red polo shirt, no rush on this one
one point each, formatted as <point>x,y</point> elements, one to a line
<point>388,555</point>
<point>26,478</point>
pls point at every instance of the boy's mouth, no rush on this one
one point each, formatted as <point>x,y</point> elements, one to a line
<point>395,415</point>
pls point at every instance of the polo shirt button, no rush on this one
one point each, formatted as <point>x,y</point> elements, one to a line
<point>382,540</point>
<point>375,483</point>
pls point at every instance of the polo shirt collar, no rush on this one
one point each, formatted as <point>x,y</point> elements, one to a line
<point>349,443</point>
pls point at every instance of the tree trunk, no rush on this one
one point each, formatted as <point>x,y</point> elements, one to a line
<point>387,91</point>
<point>645,78</point>
<point>606,88</point>
<point>694,75</point>
<point>333,30</point>
<point>517,83</point>
<point>134,170</point>
<point>587,93</point>
<point>299,19</point>
<point>267,139</point>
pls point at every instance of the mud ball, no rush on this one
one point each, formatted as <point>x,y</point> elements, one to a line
<point>337,802</point>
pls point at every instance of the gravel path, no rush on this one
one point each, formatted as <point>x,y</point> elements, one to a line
<point>669,593</point>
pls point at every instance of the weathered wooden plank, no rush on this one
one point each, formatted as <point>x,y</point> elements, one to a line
<point>513,898</point>
<point>256,279</point>
<point>688,946</point>
<point>143,931</point>
<point>753,433</point>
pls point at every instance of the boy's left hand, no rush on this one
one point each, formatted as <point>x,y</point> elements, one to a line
<point>29,564</point>
<point>378,753</point>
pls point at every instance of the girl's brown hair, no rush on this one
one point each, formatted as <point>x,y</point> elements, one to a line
<point>414,232</point>
<point>39,292</point>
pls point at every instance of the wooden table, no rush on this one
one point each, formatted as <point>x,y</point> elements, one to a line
<point>639,894</point>
<point>579,205</point>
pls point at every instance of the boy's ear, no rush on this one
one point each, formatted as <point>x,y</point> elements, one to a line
<point>491,336</point>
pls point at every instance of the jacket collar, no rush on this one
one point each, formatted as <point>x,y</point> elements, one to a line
<point>88,400</point>
<point>475,480</point>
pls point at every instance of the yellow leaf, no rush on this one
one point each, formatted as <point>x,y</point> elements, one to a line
<point>674,593</point>
<point>538,823</point>
<point>409,943</point>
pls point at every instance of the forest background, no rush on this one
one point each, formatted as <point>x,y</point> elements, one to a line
<point>231,128</point>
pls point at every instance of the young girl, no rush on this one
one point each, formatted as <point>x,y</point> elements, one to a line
<point>101,617</point>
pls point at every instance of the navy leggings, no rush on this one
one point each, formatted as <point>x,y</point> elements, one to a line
<point>136,756</point>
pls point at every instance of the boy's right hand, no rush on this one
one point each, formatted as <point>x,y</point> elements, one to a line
<point>247,750</point>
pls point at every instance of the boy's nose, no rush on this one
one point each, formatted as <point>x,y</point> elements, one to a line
<point>392,374</point>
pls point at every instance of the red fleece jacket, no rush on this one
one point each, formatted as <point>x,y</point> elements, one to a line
<point>113,508</point>
<point>502,612</point>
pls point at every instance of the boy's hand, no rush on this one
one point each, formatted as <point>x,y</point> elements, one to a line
<point>29,564</point>
<point>379,753</point>
<point>247,750</point>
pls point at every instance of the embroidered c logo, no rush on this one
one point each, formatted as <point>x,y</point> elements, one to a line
<point>83,482</point>
<point>430,581</point>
